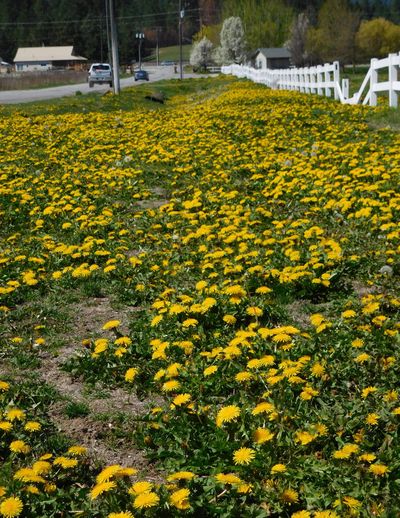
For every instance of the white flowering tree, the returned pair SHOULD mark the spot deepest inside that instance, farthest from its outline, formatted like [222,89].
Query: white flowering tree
[233,42]
[201,54]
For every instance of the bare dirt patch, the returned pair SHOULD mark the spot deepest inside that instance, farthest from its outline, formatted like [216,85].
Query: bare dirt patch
[88,319]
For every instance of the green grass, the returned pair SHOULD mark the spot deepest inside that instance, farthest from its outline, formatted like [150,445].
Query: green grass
[129,98]
[356,76]
[171,54]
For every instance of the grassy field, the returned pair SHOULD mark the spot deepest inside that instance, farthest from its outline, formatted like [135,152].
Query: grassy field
[200,309]
[171,54]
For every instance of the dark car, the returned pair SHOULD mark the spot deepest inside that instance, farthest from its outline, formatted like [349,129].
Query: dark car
[141,75]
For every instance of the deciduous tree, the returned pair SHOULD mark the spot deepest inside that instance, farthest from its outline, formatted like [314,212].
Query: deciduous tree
[334,37]
[298,39]
[233,42]
[201,54]
[377,38]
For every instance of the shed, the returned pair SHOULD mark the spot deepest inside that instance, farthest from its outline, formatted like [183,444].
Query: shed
[272,58]
[30,59]
[5,67]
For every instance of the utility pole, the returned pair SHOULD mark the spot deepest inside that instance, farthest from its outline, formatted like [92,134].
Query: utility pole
[140,37]
[158,29]
[114,48]
[181,15]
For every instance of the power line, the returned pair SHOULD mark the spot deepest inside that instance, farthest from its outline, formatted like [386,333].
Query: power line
[95,20]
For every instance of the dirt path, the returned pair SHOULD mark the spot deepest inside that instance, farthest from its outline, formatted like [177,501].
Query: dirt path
[88,431]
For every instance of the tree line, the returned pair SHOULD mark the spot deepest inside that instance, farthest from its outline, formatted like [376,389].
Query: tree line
[267,23]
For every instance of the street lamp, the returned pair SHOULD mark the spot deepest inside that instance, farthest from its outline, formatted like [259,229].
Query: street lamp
[181,16]
[140,37]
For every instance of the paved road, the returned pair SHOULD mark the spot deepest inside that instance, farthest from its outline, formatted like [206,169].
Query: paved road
[26,96]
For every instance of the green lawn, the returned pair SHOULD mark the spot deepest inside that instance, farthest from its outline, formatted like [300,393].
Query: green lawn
[171,53]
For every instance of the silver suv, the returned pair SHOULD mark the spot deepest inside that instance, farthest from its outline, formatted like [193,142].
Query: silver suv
[100,73]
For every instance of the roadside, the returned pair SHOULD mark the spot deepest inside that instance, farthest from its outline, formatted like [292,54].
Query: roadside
[26,96]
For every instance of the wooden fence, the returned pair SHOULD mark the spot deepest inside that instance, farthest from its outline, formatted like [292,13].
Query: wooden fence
[325,80]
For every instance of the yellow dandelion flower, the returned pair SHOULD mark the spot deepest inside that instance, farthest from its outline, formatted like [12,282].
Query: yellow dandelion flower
[350,502]
[301,514]
[179,499]
[367,457]
[111,324]
[131,374]
[190,322]
[228,478]
[122,514]
[65,463]
[349,313]
[263,408]
[108,473]
[4,386]
[243,456]
[11,507]
[378,469]
[170,386]
[372,419]
[140,487]
[278,468]
[244,376]
[181,399]
[346,451]
[210,370]
[77,451]
[304,437]
[28,475]
[227,414]
[325,514]
[254,311]
[32,426]
[5,426]
[19,447]
[290,496]
[229,319]
[145,500]
[362,358]
[367,391]
[41,467]
[181,475]
[101,488]
[262,435]
[15,414]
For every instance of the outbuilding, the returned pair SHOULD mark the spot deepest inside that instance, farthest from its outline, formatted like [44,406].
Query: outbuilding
[272,58]
[33,59]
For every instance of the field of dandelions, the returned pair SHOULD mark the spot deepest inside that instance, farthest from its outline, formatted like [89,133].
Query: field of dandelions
[256,234]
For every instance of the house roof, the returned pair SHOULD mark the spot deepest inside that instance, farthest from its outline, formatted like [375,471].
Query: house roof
[46,54]
[274,52]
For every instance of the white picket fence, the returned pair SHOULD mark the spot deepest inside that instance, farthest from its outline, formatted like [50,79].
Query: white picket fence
[325,80]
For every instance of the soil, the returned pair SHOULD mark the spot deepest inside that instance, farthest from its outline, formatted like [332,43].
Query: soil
[88,431]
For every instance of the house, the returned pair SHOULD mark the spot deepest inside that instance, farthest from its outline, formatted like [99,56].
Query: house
[271,58]
[5,68]
[31,59]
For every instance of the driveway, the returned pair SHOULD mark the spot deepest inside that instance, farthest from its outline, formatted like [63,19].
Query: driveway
[26,96]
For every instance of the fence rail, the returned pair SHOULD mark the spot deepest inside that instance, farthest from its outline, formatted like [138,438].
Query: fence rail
[325,80]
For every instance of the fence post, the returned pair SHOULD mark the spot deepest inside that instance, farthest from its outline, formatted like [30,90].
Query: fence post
[320,80]
[345,88]
[393,96]
[336,77]
[327,80]
[373,98]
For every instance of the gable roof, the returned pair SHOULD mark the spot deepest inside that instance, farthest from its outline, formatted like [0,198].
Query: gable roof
[274,52]
[46,54]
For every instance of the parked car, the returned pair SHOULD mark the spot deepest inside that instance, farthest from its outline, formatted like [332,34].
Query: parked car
[141,75]
[100,73]
[167,63]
